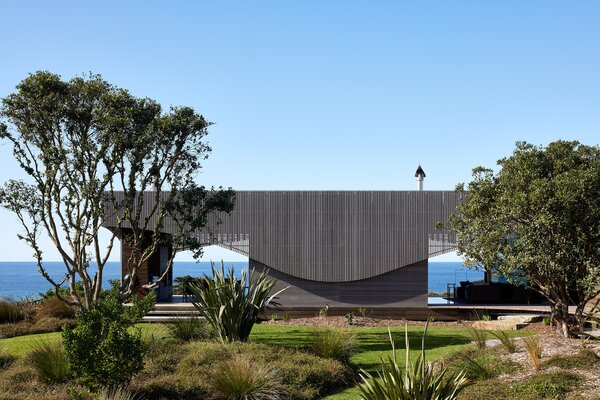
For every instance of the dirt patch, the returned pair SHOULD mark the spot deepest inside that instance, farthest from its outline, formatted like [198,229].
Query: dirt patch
[362,322]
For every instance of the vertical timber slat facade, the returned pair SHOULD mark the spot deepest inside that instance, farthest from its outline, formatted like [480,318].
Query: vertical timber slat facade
[342,248]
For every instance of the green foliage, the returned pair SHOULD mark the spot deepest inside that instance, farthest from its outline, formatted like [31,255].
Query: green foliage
[230,307]
[339,344]
[363,312]
[585,359]
[79,142]
[101,350]
[506,339]
[349,318]
[478,336]
[238,378]
[286,317]
[546,321]
[183,284]
[417,381]
[534,350]
[537,220]
[188,328]
[49,362]
[552,385]
[43,325]
[324,311]
[477,368]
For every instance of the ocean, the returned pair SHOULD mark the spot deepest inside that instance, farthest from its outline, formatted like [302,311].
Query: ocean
[22,279]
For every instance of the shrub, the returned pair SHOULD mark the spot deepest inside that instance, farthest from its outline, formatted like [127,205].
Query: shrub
[338,344]
[238,378]
[534,350]
[418,381]
[101,350]
[324,311]
[49,361]
[229,306]
[286,317]
[51,324]
[506,339]
[478,336]
[349,318]
[55,308]
[189,328]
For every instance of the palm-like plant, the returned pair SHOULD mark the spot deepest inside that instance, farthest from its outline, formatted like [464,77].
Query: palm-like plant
[417,381]
[231,307]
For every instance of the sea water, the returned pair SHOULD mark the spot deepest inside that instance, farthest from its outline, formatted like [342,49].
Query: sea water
[22,279]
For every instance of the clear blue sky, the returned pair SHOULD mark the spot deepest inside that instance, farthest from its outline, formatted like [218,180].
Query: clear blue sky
[328,94]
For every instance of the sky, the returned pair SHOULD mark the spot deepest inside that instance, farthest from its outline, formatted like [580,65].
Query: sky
[327,94]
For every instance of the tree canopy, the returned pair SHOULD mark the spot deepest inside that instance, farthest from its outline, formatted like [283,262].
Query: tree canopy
[83,141]
[538,219]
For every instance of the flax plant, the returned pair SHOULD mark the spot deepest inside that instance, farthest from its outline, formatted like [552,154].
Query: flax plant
[229,306]
[416,381]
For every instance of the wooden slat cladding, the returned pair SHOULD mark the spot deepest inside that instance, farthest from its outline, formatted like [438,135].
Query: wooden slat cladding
[405,288]
[333,236]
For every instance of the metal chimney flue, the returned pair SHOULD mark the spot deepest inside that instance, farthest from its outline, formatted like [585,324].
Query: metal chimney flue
[420,175]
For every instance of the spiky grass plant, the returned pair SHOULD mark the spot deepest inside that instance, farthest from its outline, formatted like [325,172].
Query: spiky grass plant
[506,339]
[478,336]
[231,307]
[189,327]
[117,393]
[240,379]
[416,381]
[476,368]
[534,349]
[49,361]
[339,344]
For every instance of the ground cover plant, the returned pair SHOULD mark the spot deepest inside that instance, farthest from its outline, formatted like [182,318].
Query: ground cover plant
[173,371]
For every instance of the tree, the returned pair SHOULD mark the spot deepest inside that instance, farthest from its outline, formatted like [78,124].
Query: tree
[538,219]
[89,147]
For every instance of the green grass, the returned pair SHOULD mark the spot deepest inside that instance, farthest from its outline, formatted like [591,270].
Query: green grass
[372,343]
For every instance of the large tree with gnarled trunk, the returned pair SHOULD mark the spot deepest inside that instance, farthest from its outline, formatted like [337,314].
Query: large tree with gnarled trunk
[90,149]
[538,219]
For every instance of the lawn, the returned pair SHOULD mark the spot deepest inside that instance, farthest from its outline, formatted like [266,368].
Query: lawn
[373,343]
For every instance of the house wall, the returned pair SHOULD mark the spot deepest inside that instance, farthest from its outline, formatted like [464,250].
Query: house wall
[405,287]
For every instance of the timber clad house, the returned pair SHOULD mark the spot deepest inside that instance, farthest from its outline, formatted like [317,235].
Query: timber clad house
[347,249]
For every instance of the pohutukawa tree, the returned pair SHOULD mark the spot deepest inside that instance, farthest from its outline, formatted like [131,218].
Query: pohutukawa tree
[89,147]
[538,220]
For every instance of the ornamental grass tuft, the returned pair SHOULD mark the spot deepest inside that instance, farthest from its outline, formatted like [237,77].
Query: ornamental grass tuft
[49,361]
[240,379]
[336,343]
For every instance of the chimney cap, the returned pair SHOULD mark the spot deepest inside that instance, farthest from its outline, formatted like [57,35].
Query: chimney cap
[420,172]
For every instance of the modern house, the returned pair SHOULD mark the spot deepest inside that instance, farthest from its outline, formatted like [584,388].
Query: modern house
[347,249]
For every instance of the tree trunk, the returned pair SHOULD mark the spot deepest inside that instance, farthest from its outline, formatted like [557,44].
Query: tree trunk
[561,320]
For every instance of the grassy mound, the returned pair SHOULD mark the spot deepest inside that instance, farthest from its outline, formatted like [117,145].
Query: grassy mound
[189,370]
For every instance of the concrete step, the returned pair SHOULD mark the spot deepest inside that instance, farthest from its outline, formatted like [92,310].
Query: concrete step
[165,318]
[498,325]
[521,318]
